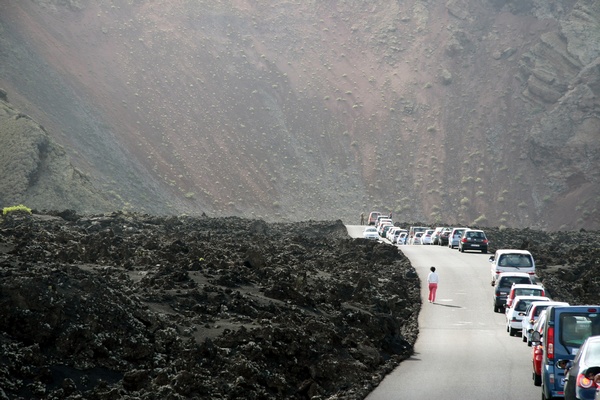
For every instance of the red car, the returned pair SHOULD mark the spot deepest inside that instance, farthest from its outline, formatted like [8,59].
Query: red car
[521,289]
[537,350]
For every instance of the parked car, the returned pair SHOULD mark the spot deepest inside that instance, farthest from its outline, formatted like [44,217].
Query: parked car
[564,331]
[514,314]
[443,237]
[402,238]
[385,229]
[370,233]
[383,220]
[413,230]
[397,233]
[580,373]
[373,217]
[504,283]
[436,234]
[537,351]
[454,237]
[524,290]
[532,314]
[511,260]
[426,238]
[390,232]
[381,226]
[417,238]
[473,239]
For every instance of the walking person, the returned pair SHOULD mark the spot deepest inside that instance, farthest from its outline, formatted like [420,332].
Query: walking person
[362,218]
[432,281]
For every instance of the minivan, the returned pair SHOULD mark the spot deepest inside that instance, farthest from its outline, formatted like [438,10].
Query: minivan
[511,260]
[565,330]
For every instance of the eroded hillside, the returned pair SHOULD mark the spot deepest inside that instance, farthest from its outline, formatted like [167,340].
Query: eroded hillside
[459,111]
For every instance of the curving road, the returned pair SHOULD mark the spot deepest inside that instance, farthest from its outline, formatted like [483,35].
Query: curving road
[463,350]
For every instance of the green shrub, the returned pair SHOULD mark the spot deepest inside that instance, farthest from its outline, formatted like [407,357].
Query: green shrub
[20,207]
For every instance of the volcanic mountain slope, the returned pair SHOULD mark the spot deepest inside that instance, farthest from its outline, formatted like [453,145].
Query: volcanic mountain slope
[458,111]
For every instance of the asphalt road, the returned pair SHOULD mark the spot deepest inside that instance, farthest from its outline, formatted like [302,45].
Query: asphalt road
[463,350]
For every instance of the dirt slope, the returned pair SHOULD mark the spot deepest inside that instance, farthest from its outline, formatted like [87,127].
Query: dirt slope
[457,111]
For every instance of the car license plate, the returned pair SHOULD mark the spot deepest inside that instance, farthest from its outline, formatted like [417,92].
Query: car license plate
[475,245]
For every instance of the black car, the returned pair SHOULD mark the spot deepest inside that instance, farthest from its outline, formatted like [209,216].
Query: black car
[473,239]
[503,285]
[442,239]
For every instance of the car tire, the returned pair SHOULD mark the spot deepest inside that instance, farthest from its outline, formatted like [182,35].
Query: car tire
[524,339]
[537,379]
[484,251]
[461,249]
[512,332]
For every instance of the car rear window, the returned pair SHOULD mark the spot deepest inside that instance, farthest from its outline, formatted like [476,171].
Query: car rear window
[508,281]
[515,260]
[538,310]
[576,327]
[528,292]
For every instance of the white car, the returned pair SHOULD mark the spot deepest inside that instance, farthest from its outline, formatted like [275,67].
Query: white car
[390,233]
[417,238]
[370,233]
[427,237]
[516,312]
[454,237]
[511,260]
[532,314]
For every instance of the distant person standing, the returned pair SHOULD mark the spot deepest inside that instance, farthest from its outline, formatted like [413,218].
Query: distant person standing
[362,218]
[432,281]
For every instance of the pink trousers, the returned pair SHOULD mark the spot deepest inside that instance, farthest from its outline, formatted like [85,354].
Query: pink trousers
[432,290]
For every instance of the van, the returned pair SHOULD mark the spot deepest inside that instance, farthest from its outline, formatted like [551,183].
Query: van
[563,333]
[511,260]
[373,217]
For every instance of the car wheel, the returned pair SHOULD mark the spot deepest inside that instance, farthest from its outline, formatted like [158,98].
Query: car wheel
[529,344]
[461,249]
[507,328]
[495,308]
[524,339]
[484,251]
[537,380]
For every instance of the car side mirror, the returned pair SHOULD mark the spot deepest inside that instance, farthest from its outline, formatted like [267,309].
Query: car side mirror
[491,259]
[536,336]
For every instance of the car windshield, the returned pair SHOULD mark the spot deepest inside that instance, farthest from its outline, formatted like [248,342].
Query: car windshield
[515,260]
[578,327]
[477,235]
[370,230]
[523,304]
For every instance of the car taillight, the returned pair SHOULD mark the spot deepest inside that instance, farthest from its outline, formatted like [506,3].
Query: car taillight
[464,240]
[550,343]
[585,382]
[485,241]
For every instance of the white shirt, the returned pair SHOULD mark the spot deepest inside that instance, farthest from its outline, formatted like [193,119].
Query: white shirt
[432,278]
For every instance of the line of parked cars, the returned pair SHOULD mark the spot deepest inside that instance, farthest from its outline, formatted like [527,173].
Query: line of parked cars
[564,338]
[462,238]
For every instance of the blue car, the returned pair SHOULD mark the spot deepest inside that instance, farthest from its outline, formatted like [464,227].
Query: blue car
[564,332]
